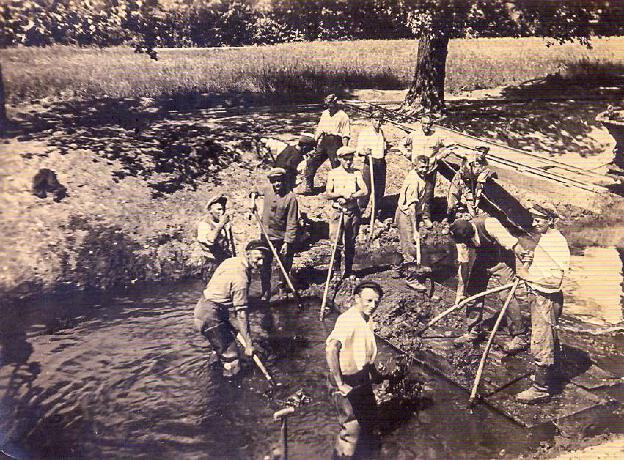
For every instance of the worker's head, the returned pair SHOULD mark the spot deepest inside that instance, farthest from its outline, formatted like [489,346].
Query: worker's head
[216,206]
[346,155]
[306,143]
[426,122]
[257,251]
[462,231]
[421,164]
[543,218]
[377,119]
[331,102]
[366,297]
[277,178]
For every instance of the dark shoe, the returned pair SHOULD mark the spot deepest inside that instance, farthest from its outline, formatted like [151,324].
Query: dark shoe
[533,395]
[515,345]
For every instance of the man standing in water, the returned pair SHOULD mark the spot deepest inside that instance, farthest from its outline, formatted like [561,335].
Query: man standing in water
[227,292]
[332,132]
[551,260]
[350,352]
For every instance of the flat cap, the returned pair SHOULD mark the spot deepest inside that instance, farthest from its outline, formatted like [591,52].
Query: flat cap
[307,139]
[543,211]
[276,172]
[331,98]
[257,245]
[461,230]
[345,150]
[218,198]
[367,284]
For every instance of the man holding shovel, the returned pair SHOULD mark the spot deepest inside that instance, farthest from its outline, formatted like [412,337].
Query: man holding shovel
[409,214]
[345,186]
[280,220]
[486,254]
[226,295]
[550,262]
[350,351]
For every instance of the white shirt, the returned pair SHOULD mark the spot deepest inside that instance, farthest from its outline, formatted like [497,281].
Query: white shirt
[421,144]
[551,260]
[337,124]
[357,339]
[368,138]
[413,191]
[344,183]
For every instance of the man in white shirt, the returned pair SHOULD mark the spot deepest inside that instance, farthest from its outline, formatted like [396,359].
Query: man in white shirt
[431,144]
[544,277]
[332,132]
[486,256]
[345,186]
[371,144]
[350,352]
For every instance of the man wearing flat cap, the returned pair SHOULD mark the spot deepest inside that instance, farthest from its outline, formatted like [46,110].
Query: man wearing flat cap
[350,351]
[371,144]
[466,189]
[544,277]
[345,187]
[292,158]
[215,241]
[280,219]
[486,256]
[332,132]
[226,296]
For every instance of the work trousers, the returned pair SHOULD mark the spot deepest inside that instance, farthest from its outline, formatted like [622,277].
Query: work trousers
[379,175]
[326,149]
[357,413]
[347,238]
[287,261]
[212,320]
[405,226]
[545,312]
[489,278]
[430,182]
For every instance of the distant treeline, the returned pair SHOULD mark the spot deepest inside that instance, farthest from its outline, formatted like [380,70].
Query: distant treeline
[210,23]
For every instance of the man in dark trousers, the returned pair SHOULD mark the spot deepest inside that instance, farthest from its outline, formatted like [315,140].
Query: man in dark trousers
[350,351]
[280,219]
[291,158]
[227,293]
[371,144]
[486,254]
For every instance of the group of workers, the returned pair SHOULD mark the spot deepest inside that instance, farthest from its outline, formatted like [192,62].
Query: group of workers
[488,255]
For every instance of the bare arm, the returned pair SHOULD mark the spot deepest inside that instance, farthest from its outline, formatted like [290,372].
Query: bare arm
[332,355]
[361,185]
[243,327]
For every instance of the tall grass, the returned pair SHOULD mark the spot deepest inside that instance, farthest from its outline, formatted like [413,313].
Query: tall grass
[292,71]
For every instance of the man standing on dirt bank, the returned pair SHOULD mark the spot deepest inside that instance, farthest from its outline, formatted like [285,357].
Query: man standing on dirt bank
[551,260]
[345,186]
[371,144]
[350,352]
[486,256]
[280,219]
[409,213]
[332,132]
[293,156]
[467,185]
[214,236]
[431,144]
[226,293]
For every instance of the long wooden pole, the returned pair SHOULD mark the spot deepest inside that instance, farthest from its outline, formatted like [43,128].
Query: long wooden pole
[455,307]
[279,261]
[258,362]
[475,386]
[331,266]
[371,229]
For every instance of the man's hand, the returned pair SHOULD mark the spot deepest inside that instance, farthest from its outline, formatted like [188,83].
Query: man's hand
[459,297]
[345,389]
[341,201]
[249,350]
[524,255]
[284,250]
[225,218]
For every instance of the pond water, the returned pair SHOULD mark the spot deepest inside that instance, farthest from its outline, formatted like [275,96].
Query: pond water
[124,375]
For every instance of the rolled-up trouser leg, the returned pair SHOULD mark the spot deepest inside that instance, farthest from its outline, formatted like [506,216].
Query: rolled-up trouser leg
[211,319]
[545,312]
[405,226]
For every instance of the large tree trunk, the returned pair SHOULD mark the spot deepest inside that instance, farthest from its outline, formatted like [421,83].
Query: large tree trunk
[427,88]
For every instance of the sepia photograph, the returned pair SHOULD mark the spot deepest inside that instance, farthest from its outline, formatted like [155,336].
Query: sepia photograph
[312,229]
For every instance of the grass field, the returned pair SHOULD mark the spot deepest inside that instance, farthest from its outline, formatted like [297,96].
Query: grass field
[288,72]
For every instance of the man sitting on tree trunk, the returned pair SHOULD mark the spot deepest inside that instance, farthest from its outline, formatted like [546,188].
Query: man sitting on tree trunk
[429,143]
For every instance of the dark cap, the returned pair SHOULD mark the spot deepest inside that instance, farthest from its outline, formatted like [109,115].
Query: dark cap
[368,285]
[307,139]
[331,98]
[219,198]
[275,173]
[461,230]
[258,245]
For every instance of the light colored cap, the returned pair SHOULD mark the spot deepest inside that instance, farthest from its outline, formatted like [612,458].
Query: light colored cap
[543,211]
[218,198]
[345,150]
[276,172]
[331,98]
